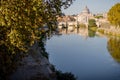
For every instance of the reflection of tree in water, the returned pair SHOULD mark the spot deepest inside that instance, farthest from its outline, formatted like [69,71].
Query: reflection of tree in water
[91,33]
[114,48]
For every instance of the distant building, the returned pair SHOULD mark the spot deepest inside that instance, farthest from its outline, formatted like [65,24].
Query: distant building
[105,15]
[84,16]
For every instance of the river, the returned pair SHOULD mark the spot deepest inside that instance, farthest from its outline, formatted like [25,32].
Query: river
[88,55]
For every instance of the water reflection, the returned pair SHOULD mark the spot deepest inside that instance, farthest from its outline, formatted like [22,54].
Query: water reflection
[114,48]
[88,58]
[92,33]
[113,43]
[82,31]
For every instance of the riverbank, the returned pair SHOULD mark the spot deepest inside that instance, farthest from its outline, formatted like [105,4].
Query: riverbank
[35,66]
[112,31]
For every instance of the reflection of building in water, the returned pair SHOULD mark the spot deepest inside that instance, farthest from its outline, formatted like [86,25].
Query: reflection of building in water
[80,31]
[83,32]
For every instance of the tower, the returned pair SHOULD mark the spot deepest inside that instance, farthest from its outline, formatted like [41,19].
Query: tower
[86,10]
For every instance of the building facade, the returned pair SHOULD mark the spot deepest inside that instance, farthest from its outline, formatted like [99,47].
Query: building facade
[84,16]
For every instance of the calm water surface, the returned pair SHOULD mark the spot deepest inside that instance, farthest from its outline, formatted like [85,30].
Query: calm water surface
[88,58]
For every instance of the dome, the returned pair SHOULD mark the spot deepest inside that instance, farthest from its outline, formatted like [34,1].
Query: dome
[86,10]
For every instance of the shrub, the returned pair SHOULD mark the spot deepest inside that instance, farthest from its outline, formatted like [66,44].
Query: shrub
[92,23]
[65,76]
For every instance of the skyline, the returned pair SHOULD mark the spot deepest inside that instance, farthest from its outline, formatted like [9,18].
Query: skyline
[95,6]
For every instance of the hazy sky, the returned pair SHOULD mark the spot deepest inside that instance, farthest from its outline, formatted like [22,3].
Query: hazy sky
[95,6]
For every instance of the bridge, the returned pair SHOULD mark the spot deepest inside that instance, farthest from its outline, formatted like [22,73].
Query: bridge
[71,24]
[66,24]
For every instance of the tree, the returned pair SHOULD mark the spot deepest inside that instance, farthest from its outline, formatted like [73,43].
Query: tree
[21,22]
[98,16]
[114,15]
[92,23]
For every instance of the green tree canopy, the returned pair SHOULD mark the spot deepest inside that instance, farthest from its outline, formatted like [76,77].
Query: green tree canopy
[114,15]
[92,23]
[21,23]
[21,20]
[99,16]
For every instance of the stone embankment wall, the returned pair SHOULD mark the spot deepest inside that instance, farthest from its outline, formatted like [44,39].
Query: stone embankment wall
[115,31]
[34,66]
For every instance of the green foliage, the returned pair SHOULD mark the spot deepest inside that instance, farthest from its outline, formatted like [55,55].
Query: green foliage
[43,50]
[101,31]
[99,16]
[20,20]
[114,15]
[65,76]
[92,23]
[20,25]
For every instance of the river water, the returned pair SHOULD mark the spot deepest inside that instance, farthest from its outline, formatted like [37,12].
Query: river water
[87,54]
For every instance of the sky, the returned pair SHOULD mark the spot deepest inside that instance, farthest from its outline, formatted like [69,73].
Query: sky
[95,6]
